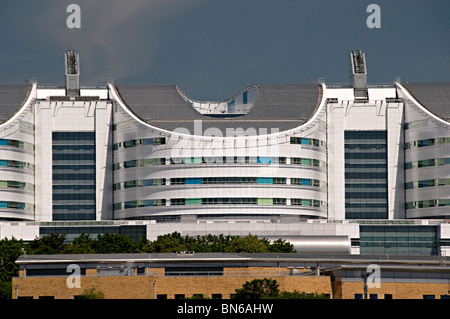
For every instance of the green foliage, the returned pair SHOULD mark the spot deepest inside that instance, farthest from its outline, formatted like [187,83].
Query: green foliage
[281,246]
[92,293]
[268,289]
[258,289]
[81,245]
[300,295]
[114,244]
[198,296]
[173,242]
[10,250]
[49,244]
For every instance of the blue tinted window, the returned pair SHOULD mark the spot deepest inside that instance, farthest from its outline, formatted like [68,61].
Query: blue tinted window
[193,181]
[264,160]
[265,180]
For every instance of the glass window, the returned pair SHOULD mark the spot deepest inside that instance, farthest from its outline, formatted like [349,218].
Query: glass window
[265,180]
[265,201]
[193,201]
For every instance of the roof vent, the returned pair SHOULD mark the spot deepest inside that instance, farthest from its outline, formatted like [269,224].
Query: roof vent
[72,73]
[359,74]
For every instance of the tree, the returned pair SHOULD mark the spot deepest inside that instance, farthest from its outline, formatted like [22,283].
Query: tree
[10,250]
[49,244]
[168,243]
[301,295]
[247,244]
[92,293]
[258,289]
[198,296]
[281,246]
[110,243]
[83,244]
[268,289]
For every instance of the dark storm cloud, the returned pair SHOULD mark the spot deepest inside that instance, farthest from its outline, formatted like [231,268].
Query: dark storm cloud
[212,49]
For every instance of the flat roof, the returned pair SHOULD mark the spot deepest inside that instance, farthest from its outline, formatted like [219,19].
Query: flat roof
[422,261]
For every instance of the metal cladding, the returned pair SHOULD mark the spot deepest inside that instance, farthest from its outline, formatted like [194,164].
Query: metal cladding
[277,106]
[434,96]
[320,244]
[12,97]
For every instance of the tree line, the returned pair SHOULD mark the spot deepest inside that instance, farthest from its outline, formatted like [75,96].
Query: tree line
[111,243]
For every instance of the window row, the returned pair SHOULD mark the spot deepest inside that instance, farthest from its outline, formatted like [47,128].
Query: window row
[219,181]
[16,164]
[73,136]
[416,124]
[17,205]
[138,142]
[219,201]
[227,160]
[307,141]
[428,163]
[140,163]
[140,183]
[74,196]
[140,203]
[427,142]
[74,147]
[16,143]
[428,183]
[121,126]
[15,184]
[74,157]
[428,203]
[73,177]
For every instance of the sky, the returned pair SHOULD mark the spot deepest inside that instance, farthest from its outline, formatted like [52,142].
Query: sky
[212,49]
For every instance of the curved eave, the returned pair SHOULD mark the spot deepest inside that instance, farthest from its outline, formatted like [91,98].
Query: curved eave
[432,98]
[13,99]
[278,108]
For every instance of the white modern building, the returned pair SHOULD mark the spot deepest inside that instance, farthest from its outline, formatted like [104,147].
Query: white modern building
[312,163]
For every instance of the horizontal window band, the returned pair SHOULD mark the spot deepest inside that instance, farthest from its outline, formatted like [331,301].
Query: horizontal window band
[140,183]
[72,196]
[60,135]
[427,163]
[16,185]
[220,181]
[416,124]
[427,142]
[16,144]
[427,203]
[219,201]
[428,183]
[16,164]
[17,205]
[219,160]
[68,177]
[307,141]
[140,142]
